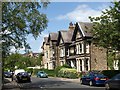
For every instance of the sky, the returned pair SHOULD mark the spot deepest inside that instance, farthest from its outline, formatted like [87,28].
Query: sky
[60,14]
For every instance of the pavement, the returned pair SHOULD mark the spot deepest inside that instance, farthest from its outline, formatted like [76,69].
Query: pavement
[9,84]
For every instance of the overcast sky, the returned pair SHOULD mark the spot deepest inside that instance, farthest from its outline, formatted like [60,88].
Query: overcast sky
[60,14]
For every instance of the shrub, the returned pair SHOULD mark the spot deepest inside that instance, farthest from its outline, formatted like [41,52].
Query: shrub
[29,70]
[68,73]
[57,69]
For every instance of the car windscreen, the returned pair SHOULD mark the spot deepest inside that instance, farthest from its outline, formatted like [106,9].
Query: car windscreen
[22,73]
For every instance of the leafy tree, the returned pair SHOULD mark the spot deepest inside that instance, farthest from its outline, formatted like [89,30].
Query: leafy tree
[19,19]
[106,28]
[10,61]
[39,59]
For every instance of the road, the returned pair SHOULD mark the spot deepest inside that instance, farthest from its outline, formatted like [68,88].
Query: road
[52,82]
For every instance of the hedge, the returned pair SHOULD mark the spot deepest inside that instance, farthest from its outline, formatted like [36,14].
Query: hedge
[49,72]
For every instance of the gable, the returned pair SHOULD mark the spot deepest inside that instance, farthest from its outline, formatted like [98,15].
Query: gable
[61,41]
[78,34]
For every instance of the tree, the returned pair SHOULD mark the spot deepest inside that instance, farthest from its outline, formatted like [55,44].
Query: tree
[11,60]
[19,19]
[106,28]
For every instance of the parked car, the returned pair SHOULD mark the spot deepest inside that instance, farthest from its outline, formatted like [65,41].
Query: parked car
[18,71]
[93,79]
[113,83]
[7,74]
[23,77]
[42,74]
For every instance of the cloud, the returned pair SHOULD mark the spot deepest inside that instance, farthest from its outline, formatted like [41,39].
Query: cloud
[81,13]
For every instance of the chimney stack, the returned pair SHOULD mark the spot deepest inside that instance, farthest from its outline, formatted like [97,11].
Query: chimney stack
[71,26]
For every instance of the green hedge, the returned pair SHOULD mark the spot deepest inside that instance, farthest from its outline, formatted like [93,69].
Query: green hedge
[68,73]
[110,73]
[49,72]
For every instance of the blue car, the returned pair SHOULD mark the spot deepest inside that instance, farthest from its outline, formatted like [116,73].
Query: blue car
[93,79]
[42,74]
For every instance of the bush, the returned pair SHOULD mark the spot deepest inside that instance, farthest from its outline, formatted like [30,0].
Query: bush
[110,73]
[29,70]
[57,69]
[68,73]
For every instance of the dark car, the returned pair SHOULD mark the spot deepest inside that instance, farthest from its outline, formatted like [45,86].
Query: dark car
[23,77]
[93,79]
[42,74]
[7,74]
[113,83]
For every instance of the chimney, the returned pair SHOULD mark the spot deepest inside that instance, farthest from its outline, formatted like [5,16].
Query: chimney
[71,26]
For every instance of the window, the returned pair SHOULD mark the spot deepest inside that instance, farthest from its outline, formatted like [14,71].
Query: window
[86,64]
[80,65]
[77,49]
[80,48]
[61,52]
[51,53]
[67,52]
[47,54]
[87,47]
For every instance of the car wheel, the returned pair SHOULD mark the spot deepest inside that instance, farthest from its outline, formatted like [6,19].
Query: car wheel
[107,87]
[91,83]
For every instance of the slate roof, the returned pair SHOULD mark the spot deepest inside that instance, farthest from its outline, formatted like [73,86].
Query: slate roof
[53,36]
[67,35]
[46,40]
[86,28]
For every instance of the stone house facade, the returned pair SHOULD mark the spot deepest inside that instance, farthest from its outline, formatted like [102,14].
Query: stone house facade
[75,48]
[45,54]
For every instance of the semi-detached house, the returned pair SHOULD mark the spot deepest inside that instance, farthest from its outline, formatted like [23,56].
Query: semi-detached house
[75,47]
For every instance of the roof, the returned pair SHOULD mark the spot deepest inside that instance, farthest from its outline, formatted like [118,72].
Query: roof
[69,36]
[66,35]
[53,36]
[86,28]
[46,40]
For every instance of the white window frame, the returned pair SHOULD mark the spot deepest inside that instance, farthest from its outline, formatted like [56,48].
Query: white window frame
[87,48]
